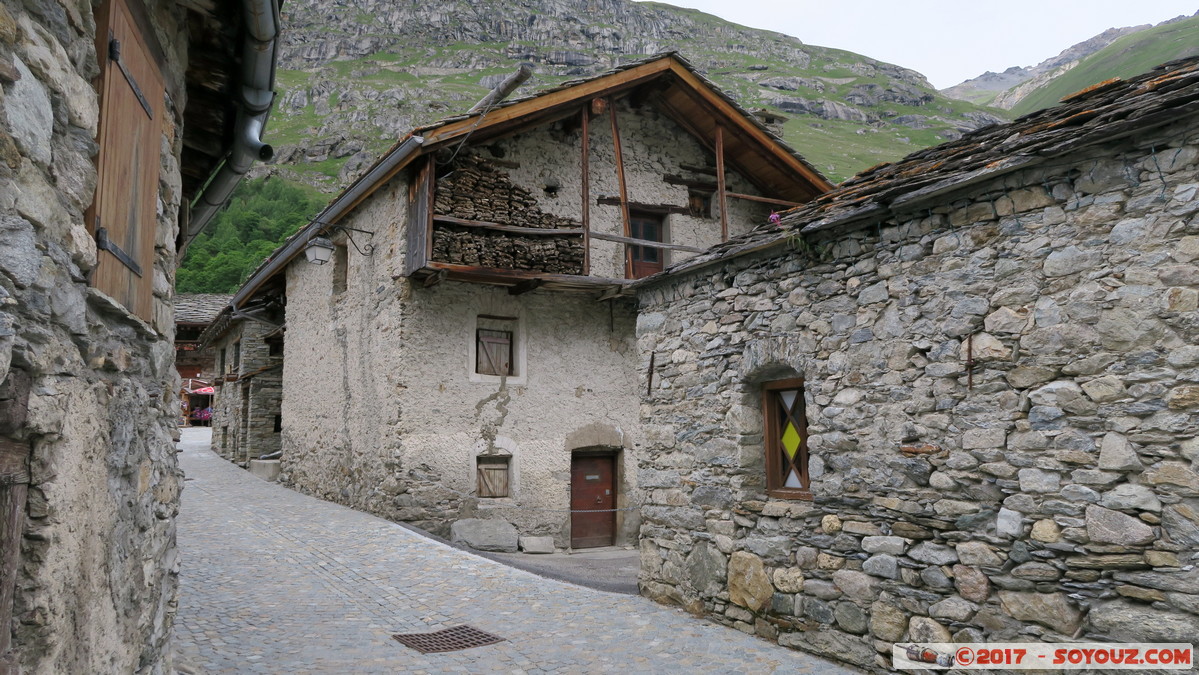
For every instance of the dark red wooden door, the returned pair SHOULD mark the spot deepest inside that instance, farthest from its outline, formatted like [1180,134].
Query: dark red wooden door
[592,486]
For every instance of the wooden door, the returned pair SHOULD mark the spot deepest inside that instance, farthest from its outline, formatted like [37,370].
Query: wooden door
[592,486]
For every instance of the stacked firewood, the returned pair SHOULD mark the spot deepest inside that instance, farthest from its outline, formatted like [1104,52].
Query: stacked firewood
[477,191]
[480,248]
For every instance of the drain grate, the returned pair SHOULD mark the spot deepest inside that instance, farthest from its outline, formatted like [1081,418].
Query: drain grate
[447,640]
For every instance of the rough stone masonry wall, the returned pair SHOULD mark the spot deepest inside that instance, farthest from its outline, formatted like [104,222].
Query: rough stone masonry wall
[1057,498]
[96,583]
[237,436]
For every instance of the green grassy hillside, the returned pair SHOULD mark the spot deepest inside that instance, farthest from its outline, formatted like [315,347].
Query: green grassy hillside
[351,82]
[1130,55]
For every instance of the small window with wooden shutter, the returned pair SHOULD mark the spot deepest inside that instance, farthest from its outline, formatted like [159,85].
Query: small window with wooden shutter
[495,346]
[493,476]
[123,217]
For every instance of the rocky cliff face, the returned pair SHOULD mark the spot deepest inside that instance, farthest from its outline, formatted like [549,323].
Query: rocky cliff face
[357,74]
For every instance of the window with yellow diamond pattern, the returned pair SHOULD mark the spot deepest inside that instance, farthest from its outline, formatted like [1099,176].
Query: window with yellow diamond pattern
[785,432]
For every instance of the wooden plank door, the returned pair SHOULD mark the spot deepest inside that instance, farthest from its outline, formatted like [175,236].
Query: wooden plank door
[592,486]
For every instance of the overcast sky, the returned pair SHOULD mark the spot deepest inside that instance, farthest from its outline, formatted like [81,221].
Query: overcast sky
[947,40]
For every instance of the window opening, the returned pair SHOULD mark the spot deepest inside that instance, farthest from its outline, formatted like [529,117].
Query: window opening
[493,476]
[699,203]
[646,260]
[786,439]
[341,263]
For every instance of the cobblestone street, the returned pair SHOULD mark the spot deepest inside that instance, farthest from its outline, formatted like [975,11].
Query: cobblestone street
[276,582]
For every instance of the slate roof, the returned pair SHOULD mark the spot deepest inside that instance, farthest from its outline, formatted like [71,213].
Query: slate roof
[1107,111]
[199,308]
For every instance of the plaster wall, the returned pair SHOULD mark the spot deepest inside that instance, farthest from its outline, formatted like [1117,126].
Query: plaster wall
[382,409]
[1002,394]
[341,395]
[86,388]
[573,390]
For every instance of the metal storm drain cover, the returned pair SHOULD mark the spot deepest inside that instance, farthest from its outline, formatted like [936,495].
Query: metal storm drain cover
[447,640]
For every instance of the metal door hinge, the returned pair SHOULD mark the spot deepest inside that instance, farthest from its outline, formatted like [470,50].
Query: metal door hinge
[105,244]
[114,55]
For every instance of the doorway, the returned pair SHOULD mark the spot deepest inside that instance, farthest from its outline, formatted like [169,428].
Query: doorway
[592,487]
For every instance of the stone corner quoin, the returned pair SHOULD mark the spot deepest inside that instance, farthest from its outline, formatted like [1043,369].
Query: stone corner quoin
[1002,399]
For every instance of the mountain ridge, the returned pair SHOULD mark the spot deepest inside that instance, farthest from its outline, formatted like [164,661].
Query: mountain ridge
[1007,89]
[355,76]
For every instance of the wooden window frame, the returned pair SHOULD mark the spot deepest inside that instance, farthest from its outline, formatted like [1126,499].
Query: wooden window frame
[482,485]
[637,253]
[773,420]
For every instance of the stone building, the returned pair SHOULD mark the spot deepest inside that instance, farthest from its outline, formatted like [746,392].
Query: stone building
[194,312]
[463,355]
[110,127]
[196,367]
[248,356]
[956,399]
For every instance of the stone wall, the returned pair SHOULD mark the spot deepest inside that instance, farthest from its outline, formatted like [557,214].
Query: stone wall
[246,404]
[1049,494]
[88,389]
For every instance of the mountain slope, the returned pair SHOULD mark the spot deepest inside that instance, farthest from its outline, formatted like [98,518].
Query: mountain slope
[1130,55]
[1116,52]
[986,88]
[356,75]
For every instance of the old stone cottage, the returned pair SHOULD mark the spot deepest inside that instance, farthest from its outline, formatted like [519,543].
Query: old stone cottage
[464,355]
[123,125]
[248,362]
[957,398]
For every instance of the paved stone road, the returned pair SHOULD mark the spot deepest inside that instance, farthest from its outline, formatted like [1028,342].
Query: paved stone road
[276,582]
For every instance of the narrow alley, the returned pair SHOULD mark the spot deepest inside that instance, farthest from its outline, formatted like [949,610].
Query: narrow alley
[273,581]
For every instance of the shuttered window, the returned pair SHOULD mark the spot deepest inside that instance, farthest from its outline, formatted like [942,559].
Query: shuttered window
[785,435]
[493,350]
[493,476]
[123,217]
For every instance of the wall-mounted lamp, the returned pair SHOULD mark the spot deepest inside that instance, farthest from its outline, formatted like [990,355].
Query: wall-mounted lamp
[320,248]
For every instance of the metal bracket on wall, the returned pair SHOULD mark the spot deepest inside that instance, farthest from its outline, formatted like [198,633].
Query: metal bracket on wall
[105,244]
[114,55]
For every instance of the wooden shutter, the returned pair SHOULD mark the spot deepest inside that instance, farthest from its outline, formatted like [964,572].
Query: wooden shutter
[123,217]
[493,352]
[493,476]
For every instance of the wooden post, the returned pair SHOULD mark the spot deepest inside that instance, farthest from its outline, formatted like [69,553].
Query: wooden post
[420,214]
[586,180]
[14,486]
[624,192]
[722,198]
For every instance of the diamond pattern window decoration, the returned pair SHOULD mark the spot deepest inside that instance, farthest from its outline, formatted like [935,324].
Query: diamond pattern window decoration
[786,439]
